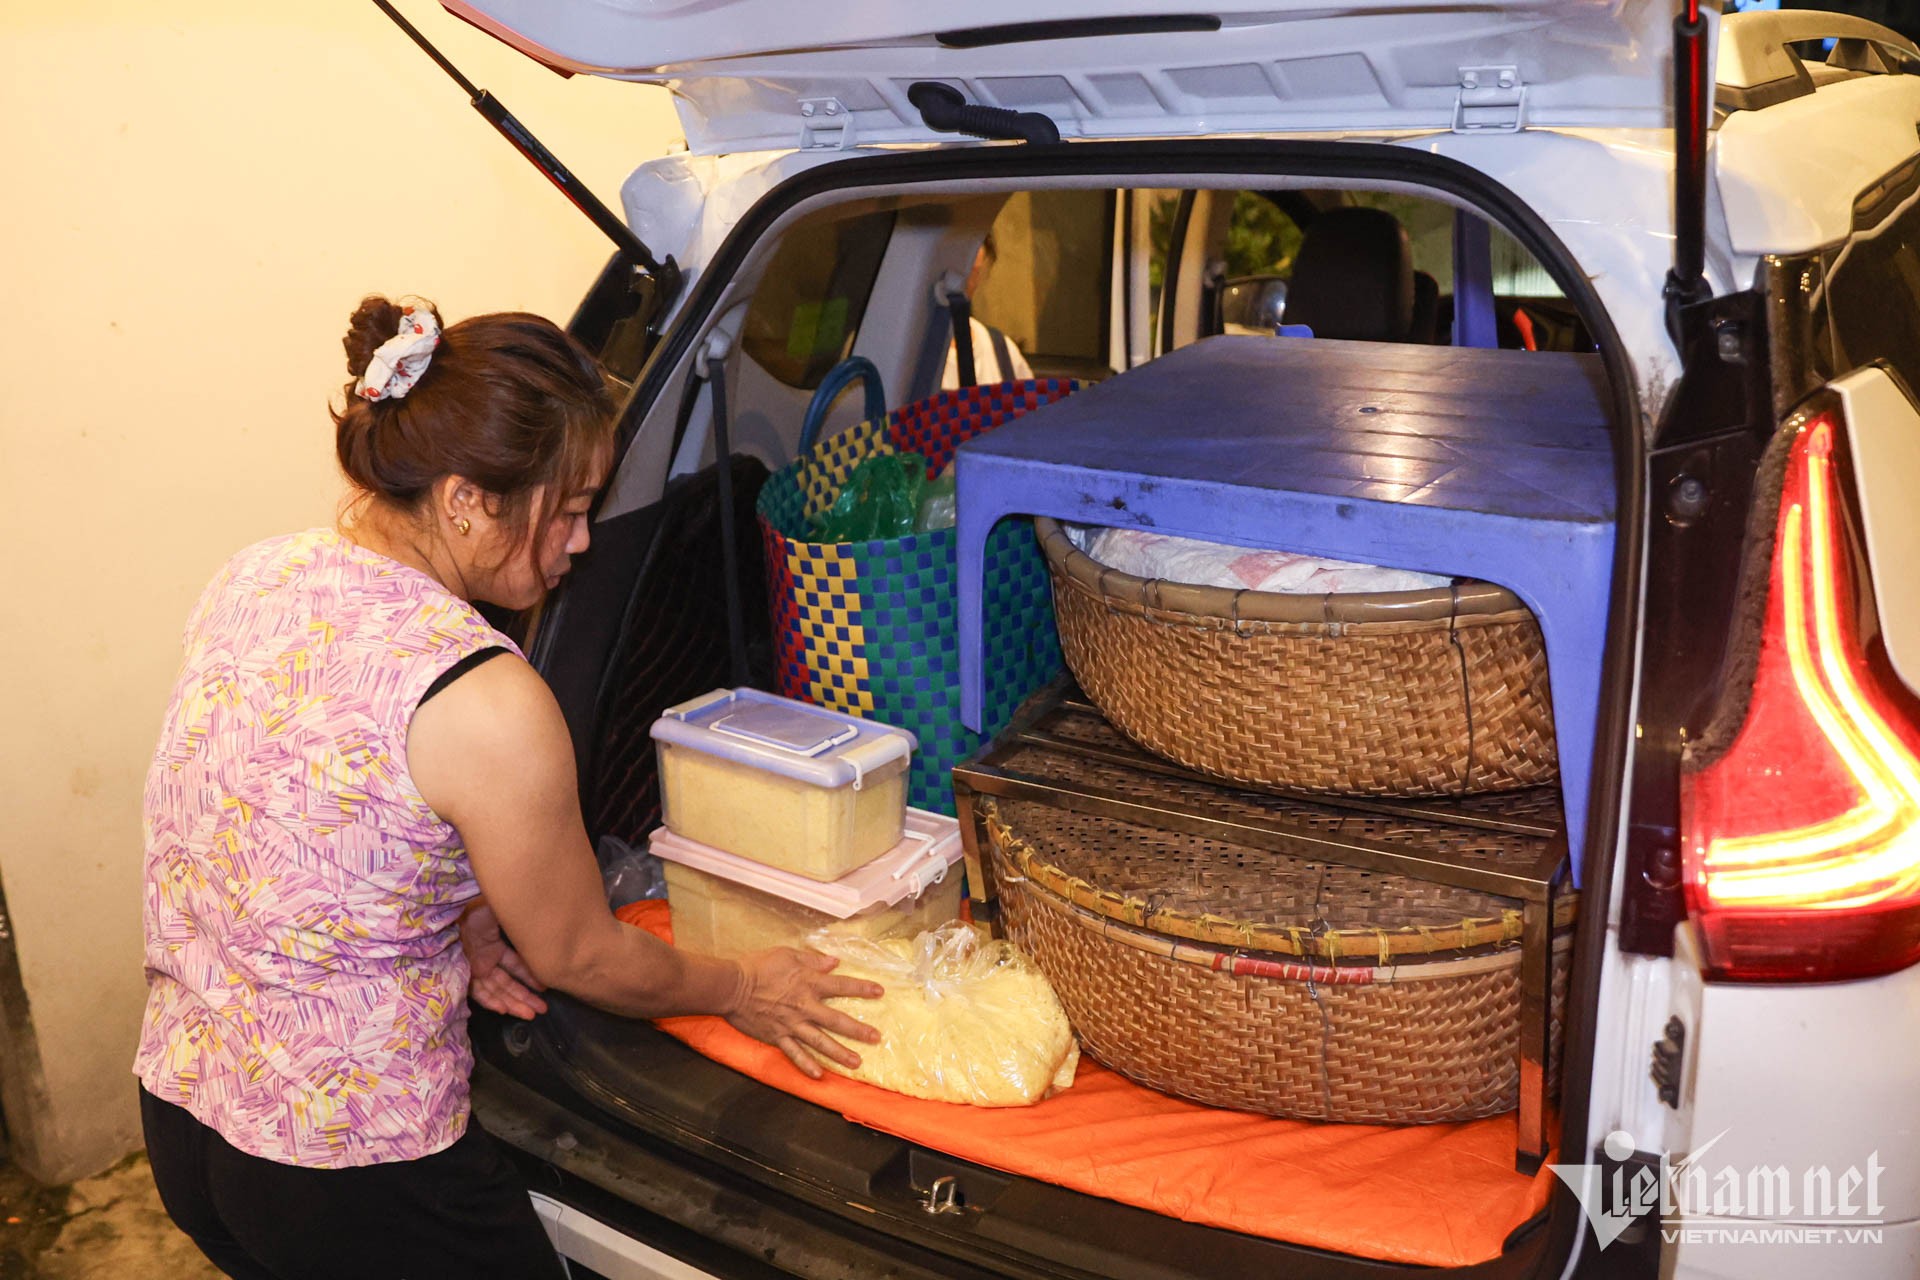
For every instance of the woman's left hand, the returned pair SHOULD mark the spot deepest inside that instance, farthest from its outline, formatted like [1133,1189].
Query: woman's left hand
[501,980]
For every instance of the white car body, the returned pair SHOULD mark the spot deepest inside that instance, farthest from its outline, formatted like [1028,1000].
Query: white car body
[1783,1075]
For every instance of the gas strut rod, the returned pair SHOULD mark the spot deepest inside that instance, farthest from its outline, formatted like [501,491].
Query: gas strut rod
[1692,99]
[666,273]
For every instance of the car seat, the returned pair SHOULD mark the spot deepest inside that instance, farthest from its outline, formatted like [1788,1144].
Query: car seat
[1353,278]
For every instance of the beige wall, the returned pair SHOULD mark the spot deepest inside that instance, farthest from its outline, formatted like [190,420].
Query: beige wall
[195,197]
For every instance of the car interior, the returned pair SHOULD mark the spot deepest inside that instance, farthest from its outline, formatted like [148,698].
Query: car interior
[1090,282]
[1087,283]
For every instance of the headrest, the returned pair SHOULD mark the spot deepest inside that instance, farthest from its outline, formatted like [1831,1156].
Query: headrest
[1353,277]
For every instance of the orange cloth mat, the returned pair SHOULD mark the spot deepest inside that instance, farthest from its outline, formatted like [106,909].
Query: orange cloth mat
[1442,1195]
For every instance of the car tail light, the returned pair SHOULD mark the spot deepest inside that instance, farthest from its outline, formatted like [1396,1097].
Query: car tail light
[1801,843]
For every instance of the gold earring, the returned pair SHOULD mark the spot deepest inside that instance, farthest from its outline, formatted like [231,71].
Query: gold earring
[464,525]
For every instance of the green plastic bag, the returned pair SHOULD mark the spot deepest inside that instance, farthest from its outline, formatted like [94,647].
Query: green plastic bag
[880,500]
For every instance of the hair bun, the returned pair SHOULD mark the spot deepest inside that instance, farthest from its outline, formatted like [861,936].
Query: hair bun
[374,321]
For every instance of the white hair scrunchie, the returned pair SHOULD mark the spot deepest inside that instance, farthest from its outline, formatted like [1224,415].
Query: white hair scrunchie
[399,361]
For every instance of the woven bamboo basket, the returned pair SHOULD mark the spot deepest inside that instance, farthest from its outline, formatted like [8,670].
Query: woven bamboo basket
[1246,979]
[1406,693]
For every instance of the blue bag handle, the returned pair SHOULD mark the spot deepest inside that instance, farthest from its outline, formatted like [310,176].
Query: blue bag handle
[830,388]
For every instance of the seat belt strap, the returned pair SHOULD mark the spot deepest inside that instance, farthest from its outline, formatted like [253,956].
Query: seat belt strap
[962,312]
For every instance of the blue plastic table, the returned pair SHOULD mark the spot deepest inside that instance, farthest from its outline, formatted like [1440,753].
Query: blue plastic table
[1468,462]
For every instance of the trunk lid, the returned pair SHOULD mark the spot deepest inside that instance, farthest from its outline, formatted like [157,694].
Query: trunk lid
[769,74]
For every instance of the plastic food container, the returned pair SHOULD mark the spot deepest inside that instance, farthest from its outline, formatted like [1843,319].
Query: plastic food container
[727,905]
[797,787]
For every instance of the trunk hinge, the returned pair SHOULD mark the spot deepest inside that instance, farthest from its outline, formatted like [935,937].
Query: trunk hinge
[1490,100]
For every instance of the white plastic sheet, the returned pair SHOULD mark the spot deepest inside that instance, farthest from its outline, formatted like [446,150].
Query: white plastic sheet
[1210,564]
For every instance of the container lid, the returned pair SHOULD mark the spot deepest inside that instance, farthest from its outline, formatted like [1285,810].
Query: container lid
[780,735]
[921,859]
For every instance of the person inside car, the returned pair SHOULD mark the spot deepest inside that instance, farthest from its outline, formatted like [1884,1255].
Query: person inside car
[995,357]
[351,757]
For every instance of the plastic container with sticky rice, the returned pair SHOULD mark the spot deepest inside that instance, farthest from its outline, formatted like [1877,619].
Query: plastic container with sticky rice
[727,905]
[794,786]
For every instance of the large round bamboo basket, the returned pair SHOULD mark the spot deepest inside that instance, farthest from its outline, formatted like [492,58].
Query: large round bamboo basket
[1262,982]
[1409,693]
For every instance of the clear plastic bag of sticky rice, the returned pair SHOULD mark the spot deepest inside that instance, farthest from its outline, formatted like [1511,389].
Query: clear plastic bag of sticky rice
[965,1018]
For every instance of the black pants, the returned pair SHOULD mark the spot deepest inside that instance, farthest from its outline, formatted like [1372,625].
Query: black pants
[459,1212]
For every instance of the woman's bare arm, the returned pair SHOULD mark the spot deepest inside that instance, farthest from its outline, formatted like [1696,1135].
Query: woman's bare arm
[492,755]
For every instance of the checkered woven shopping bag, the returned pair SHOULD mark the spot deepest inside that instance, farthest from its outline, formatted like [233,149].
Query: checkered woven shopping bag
[872,628]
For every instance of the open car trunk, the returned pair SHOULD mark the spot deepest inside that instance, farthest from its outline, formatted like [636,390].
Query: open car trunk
[750,1156]
[774,1179]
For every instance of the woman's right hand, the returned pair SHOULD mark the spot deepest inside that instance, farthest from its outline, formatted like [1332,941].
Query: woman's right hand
[781,999]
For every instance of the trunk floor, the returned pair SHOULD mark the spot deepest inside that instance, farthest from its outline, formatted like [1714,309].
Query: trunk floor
[1437,1195]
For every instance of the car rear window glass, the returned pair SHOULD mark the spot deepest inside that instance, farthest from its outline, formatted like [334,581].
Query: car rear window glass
[807,310]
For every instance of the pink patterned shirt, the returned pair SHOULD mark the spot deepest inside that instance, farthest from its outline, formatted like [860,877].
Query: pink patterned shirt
[306,988]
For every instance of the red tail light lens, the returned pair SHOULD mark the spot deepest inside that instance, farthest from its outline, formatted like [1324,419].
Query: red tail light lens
[1802,842]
